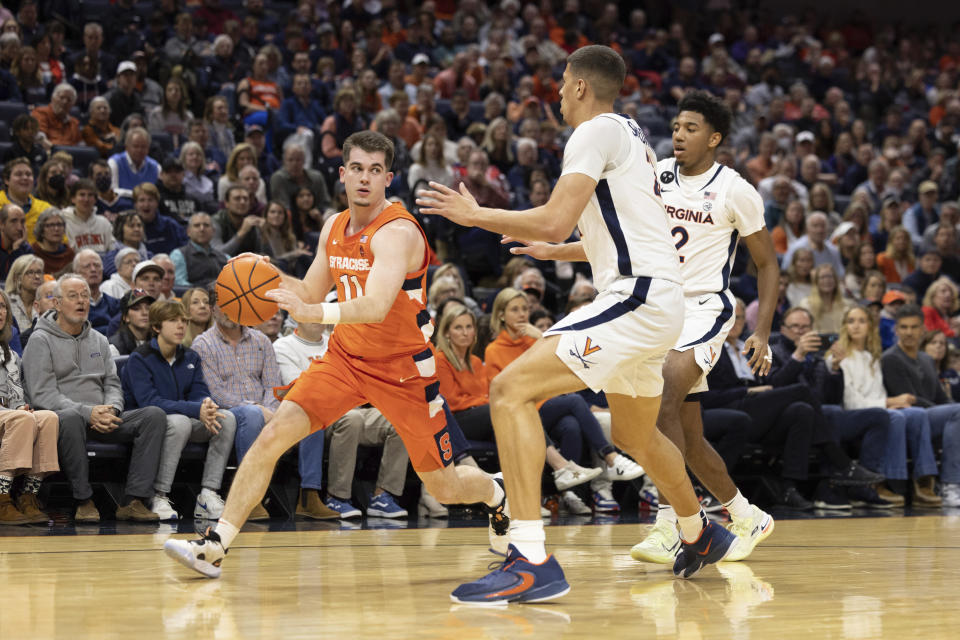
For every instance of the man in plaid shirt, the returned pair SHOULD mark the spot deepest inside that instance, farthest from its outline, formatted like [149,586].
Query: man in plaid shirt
[241,369]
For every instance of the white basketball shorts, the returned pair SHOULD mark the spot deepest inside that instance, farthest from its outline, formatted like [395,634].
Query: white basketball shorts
[707,320]
[618,342]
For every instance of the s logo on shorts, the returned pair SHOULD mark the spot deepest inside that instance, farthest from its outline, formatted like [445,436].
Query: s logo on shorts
[444,446]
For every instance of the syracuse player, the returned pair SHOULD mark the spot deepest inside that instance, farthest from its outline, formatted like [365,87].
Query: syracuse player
[376,255]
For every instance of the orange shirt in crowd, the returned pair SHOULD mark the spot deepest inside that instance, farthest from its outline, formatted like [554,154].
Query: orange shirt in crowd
[463,389]
[933,321]
[888,267]
[505,350]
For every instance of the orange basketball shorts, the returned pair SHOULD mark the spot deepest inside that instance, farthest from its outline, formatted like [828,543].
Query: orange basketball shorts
[405,390]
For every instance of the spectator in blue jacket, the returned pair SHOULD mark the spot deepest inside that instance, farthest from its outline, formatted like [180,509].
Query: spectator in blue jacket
[163,373]
[161,234]
[301,113]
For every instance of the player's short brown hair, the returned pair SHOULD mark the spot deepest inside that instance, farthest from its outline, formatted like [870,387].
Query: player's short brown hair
[371,142]
[602,68]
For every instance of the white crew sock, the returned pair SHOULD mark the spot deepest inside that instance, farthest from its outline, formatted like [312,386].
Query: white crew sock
[226,531]
[691,526]
[497,494]
[739,507]
[666,513]
[527,536]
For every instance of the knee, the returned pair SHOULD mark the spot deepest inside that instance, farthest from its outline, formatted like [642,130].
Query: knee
[155,417]
[505,393]
[178,425]
[228,424]
[248,418]
[72,425]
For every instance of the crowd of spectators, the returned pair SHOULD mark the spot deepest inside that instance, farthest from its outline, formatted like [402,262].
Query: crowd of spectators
[148,142]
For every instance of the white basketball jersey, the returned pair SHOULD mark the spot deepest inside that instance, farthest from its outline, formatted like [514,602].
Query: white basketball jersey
[624,227]
[708,213]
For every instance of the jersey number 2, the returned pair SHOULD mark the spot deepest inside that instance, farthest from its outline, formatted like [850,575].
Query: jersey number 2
[676,231]
[347,293]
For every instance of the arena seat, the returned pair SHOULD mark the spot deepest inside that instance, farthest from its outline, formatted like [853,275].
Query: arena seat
[10,110]
[82,156]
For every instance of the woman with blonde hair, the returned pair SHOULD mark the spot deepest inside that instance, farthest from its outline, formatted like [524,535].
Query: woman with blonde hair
[28,438]
[23,280]
[465,383]
[898,260]
[566,418]
[243,155]
[196,302]
[939,304]
[857,355]
[821,199]
[825,301]
[430,165]
[800,272]
[195,182]
[498,143]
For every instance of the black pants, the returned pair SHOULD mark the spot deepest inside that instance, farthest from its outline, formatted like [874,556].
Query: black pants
[726,430]
[145,428]
[789,416]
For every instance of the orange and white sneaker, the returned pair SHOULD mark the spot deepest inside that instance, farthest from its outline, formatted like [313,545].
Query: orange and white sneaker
[750,532]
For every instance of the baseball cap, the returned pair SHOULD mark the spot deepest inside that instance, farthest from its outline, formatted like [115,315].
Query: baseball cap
[893,296]
[842,229]
[147,265]
[126,65]
[326,27]
[715,39]
[927,186]
[134,297]
[253,128]
[805,136]
[421,58]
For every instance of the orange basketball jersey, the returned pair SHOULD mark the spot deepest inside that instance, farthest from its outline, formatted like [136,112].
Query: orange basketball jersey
[407,328]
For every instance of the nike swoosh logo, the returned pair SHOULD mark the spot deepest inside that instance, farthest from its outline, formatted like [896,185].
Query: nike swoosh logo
[703,301]
[707,550]
[619,472]
[526,581]
[201,505]
[670,549]
[402,380]
[662,190]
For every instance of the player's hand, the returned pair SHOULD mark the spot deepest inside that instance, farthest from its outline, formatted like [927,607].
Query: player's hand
[295,306]
[761,360]
[247,254]
[458,207]
[538,250]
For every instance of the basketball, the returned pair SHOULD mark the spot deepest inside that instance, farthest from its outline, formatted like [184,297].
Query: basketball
[241,286]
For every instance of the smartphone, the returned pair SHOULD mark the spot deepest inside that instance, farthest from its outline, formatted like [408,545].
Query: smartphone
[826,341]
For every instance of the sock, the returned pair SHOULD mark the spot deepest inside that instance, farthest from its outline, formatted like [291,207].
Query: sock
[226,531]
[739,507]
[666,514]
[527,536]
[498,495]
[6,483]
[691,526]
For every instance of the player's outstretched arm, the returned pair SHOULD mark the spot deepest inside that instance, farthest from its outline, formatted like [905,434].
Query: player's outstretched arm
[552,222]
[768,278]
[569,251]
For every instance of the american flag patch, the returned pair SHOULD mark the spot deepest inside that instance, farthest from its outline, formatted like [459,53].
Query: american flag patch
[363,238]
[709,195]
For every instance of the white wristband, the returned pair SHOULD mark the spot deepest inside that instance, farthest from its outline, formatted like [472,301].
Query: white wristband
[331,312]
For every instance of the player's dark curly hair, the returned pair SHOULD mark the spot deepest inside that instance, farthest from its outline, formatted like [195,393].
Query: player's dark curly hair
[714,110]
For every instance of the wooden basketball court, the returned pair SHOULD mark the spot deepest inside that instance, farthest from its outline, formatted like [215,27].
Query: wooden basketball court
[862,578]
